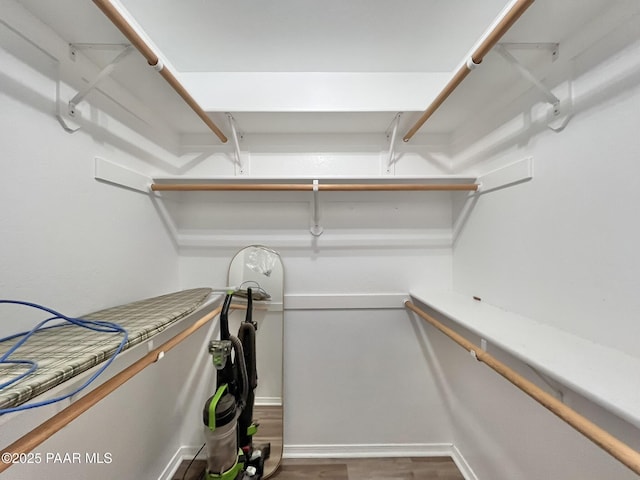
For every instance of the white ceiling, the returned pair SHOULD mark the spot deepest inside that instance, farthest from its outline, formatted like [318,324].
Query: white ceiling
[314,35]
[367,40]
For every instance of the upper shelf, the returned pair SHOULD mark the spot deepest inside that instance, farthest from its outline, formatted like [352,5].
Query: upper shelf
[408,179]
[433,183]
[340,49]
[599,373]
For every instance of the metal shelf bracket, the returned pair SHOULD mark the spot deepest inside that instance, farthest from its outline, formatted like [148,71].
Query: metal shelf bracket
[241,166]
[559,115]
[316,229]
[391,134]
[67,117]
[530,77]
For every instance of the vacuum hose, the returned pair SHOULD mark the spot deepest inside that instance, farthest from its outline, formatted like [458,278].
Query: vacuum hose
[242,366]
[247,336]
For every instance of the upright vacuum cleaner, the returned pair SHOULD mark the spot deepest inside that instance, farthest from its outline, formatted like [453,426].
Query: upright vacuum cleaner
[228,414]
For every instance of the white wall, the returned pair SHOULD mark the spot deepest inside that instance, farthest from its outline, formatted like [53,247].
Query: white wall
[504,434]
[563,243]
[73,236]
[142,425]
[344,369]
[66,236]
[373,243]
[353,377]
[358,381]
[561,249]
[77,245]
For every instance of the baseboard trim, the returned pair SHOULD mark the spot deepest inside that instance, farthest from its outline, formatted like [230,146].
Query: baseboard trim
[346,451]
[462,464]
[368,450]
[268,401]
[183,453]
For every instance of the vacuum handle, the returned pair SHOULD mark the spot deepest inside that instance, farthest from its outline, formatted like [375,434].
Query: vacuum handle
[249,316]
[224,318]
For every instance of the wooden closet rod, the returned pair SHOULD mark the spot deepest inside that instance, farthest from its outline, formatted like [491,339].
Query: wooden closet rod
[309,187]
[621,451]
[127,30]
[42,432]
[518,8]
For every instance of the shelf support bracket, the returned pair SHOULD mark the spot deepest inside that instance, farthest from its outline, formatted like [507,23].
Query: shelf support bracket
[391,134]
[557,392]
[560,114]
[530,77]
[72,111]
[242,168]
[553,48]
[316,230]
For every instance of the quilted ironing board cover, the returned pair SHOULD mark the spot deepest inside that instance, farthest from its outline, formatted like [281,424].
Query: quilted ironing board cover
[64,352]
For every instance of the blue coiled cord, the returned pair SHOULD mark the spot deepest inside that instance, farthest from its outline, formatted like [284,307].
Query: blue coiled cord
[95,325]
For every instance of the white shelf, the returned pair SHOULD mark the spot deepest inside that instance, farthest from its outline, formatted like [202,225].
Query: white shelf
[603,375]
[430,179]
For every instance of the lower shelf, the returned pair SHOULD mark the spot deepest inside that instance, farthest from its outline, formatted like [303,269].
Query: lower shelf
[603,375]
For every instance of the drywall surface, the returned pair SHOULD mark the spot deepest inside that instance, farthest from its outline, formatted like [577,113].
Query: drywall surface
[359,378]
[77,245]
[504,434]
[347,379]
[69,241]
[126,245]
[135,431]
[356,379]
[373,244]
[560,249]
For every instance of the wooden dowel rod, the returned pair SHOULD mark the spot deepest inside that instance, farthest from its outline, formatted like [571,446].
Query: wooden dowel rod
[308,187]
[619,450]
[177,86]
[127,30]
[500,29]
[439,100]
[45,430]
[489,42]
[204,187]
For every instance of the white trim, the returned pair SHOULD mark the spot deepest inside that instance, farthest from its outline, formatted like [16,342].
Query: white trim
[343,301]
[183,453]
[462,464]
[173,465]
[377,450]
[115,174]
[406,238]
[512,174]
[268,401]
[346,451]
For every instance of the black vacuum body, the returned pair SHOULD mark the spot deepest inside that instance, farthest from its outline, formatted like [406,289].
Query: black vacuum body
[228,414]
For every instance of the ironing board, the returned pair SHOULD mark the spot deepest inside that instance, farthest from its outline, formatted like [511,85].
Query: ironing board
[64,352]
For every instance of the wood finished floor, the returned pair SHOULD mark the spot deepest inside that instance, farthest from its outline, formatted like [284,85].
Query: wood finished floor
[270,430]
[405,468]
